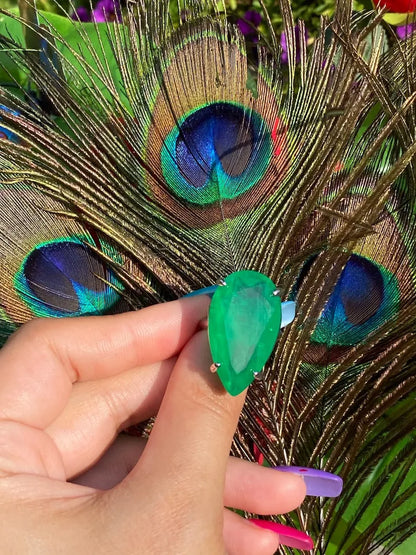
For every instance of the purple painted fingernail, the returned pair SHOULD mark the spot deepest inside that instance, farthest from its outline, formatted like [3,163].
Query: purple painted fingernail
[288,536]
[318,482]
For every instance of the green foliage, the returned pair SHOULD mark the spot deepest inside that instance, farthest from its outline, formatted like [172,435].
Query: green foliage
[310,12]
[44,5]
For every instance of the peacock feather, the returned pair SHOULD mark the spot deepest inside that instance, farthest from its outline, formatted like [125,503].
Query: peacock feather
[167,156]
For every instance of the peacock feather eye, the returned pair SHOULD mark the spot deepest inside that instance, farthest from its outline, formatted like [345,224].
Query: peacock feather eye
[212,150]
[365,295]
[53,267]
[377,277]
[216,151]
[64,277]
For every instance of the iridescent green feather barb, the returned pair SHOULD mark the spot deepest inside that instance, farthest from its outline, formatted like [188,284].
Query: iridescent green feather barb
[148,160]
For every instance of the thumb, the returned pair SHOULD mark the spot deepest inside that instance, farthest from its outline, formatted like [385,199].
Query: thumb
[190,442]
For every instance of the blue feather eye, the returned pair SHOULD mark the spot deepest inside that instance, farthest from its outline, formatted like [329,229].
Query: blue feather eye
[217,151]
[365,296]
[66,278]
[212,150]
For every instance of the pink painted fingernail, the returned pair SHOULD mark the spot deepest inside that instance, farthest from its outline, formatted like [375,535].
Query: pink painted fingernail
[288,536]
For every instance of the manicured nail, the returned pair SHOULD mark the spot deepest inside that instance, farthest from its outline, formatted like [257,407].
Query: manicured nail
[288,536]
[318,482]
[205,291]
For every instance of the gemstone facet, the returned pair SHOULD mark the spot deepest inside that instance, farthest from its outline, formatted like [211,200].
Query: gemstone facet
[243,324]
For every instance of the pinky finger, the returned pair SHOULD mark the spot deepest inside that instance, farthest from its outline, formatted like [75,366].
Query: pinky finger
[241,537]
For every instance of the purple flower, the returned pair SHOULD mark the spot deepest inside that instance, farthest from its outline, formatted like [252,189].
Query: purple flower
[405,31]
[283,43]
[184,15]
[81,14]
[107,10]
[248,25]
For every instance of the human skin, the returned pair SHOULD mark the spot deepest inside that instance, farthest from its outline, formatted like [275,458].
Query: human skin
[69,484]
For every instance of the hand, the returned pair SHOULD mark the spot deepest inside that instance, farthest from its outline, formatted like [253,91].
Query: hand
[68,387]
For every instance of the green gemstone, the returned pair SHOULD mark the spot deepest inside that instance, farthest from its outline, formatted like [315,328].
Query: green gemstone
[243,324]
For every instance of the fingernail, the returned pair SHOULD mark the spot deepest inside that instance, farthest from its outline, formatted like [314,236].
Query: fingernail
[205,291]
[318,483]
[288,536]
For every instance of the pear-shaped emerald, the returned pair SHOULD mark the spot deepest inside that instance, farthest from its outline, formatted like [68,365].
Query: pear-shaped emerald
[243,323]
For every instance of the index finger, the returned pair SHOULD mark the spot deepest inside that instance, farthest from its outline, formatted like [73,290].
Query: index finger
[42,360]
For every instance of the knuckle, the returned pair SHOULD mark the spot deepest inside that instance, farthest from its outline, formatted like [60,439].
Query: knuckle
[115,409]
[204,398]
[31,328]
[35,332]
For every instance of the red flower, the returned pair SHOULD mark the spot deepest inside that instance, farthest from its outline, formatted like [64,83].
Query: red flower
[397,6]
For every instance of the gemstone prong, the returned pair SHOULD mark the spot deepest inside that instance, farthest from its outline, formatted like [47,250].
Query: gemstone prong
[214,367]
